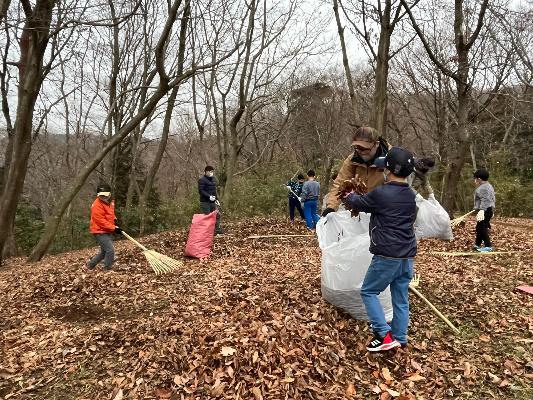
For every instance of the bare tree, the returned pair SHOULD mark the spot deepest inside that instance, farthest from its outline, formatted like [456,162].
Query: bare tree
[346,63]
[387,15]
[167,81]
[468,24]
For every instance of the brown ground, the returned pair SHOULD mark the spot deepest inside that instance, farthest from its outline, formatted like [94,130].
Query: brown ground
[249,323]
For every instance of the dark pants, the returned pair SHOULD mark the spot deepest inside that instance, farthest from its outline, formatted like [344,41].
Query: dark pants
[295,203]
[207,208]
[107,251]
[482,229]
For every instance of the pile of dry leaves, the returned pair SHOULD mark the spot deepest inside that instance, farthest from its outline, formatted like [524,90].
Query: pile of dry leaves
[249,323]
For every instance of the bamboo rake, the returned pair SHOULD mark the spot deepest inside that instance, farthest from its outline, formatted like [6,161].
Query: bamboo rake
[414,283]
[160,263]
[456,221]
[468,254]
[276,236]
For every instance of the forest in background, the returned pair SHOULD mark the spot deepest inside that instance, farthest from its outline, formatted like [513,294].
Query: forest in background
[143,94]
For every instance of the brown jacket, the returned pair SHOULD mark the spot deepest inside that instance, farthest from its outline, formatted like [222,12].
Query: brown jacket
[372,176]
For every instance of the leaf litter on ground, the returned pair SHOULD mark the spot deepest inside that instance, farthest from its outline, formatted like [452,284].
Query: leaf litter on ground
[249,323]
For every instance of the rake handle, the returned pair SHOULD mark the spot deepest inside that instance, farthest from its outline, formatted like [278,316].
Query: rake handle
[439,314]
[463,216]
[134,241]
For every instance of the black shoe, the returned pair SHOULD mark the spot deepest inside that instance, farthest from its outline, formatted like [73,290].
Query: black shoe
[382,344]
[219,232]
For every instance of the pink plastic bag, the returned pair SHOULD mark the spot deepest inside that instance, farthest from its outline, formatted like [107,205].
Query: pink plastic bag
[201,235]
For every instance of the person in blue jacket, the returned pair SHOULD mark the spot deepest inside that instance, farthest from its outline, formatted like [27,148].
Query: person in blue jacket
[207,188]
[392,241]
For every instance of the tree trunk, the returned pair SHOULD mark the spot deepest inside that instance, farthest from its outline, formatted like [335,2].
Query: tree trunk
[346,64]
[33,43]
[380,100]
[457,162]
[157,160]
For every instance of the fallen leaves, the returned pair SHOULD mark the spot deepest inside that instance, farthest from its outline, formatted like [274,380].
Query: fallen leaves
[227,351]
[249,323]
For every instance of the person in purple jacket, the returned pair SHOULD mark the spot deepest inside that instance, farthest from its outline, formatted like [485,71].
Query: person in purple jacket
[392,241]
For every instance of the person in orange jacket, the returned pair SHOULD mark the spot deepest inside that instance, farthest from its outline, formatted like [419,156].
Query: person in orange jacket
[103,225]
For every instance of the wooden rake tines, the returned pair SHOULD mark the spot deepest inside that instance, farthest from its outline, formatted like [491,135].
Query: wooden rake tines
[415,282]
[160,263]
[457,221]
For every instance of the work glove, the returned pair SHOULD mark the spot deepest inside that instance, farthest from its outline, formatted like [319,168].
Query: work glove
[480,216]
[212,198]
[301,199]
[432,197]
[288,188]
[217,203]
[118,231]
[327,211]
[419,198]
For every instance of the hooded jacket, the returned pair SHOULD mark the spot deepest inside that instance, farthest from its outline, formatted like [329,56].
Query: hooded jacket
[393,212]
[355,165]
[102,217]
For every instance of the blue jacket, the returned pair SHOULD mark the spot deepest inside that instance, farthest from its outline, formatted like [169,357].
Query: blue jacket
[207,187]
[393,210]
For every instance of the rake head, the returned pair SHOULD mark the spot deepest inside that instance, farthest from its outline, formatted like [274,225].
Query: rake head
[457,221]
[415,281]
[160,263]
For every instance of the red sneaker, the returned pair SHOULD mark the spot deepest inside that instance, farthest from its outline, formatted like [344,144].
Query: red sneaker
[382,344]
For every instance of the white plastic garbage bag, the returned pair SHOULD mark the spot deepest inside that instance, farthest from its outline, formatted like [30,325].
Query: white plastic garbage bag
[432,220]
[345,243]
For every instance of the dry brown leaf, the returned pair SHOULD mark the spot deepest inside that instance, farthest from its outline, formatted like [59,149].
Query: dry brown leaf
[416,378]
[119,395]
[384,396]
[393,393]
[227,351]
[257,393]
[163,393]
[350,390]
[386,374]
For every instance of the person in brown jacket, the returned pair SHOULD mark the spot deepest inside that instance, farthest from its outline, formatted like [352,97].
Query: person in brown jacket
[367,145]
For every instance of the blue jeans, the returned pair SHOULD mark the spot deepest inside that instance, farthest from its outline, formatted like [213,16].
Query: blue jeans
[396,272]
[311,216]
[107,251]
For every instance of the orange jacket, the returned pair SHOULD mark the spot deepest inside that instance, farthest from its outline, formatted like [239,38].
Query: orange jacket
[102,217]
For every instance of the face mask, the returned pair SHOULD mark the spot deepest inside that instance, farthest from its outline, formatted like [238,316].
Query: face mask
[210,174]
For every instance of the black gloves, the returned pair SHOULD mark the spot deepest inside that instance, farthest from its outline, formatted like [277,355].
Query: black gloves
[118,231]
[327,211]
